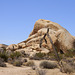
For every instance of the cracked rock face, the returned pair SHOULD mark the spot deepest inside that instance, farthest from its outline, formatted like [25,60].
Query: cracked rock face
[61,38]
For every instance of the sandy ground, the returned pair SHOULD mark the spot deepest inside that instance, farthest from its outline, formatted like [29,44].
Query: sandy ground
[12,70]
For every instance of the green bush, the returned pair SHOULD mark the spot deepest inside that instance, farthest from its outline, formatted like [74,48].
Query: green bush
[61,56]
[4,56]
[17,63]
[70,53]
[40,55]
[15,55]
[48,65]
[52,56]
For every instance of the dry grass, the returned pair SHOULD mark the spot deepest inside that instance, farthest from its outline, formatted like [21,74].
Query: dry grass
[30,63]
[68,69]
[48,65]
[38,56]
[69,65]
[17,63]
[15,55]
[40,72]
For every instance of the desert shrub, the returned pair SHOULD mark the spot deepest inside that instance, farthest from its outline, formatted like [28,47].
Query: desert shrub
[72,50]
[9,52]
[17,63]
[48,65]
[71,62]
[10,60]
[24,60]
[4,56]
[51,56]
[68,65]
[47,56]
[61,56]
[40,72]
[38,56]
[67,68]
[70,53]
[2,64]
[34,58]
[30,63]
[15,55]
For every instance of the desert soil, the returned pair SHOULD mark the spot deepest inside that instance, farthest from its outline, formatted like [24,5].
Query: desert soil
[12,70]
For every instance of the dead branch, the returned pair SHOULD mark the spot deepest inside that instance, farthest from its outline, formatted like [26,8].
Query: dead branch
[55,51]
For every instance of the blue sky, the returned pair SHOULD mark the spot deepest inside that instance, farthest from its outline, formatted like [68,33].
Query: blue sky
[17,17]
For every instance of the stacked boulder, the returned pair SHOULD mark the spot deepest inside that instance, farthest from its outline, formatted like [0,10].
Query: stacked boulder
[3,46]
[61,38]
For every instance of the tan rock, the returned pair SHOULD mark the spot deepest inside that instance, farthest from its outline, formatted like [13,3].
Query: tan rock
[41,23]
[61,38]
[22,45]
[44,50]
[12,47]
[3,46]
[32,54]
[19,50]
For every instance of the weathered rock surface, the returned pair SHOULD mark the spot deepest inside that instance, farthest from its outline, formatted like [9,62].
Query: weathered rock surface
[3,46]
[12,47]
[61,38]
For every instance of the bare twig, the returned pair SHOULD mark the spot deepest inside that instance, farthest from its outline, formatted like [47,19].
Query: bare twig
[55,51]
[47,34]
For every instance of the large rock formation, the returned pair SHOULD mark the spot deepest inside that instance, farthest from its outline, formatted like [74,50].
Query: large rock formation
[3,46]
[14,47]
[61,38]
